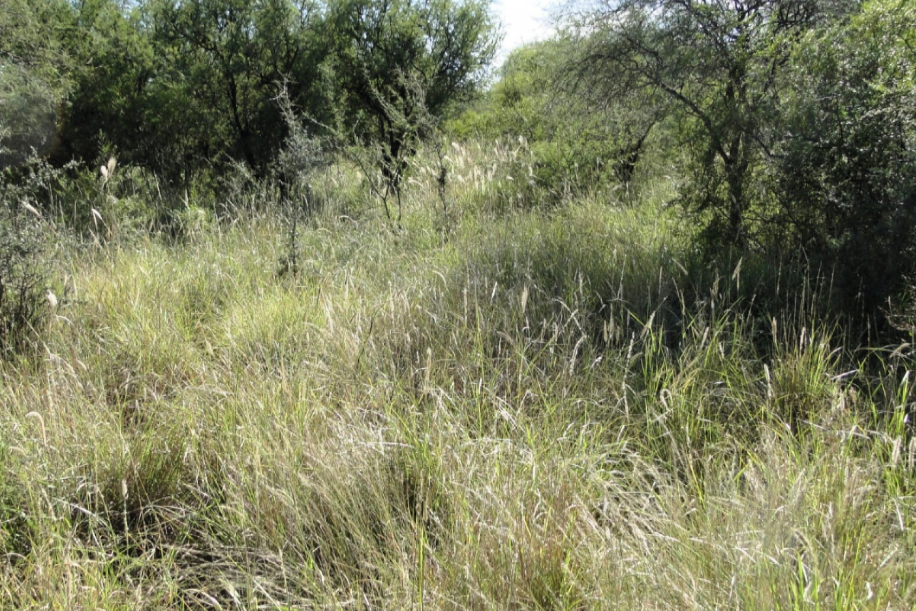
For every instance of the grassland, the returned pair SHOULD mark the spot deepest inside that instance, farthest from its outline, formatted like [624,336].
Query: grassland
[493,406]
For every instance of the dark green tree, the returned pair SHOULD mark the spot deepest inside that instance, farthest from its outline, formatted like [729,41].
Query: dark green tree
[35,75]
[845,167]
[115,64]
[231,57]
[400,63]
[719,64]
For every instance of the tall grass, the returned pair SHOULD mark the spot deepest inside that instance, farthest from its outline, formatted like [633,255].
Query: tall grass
[522,410]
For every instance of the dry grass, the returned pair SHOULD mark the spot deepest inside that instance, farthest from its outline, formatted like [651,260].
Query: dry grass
[518,411]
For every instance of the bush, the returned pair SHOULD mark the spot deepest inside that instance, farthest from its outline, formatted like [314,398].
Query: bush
[846,174]
[580,140]
[28,115]
[23,278]
[28,194]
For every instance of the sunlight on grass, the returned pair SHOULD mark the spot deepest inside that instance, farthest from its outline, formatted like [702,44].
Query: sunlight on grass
[523,410]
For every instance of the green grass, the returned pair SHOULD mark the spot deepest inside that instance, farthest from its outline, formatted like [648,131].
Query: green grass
[490,408]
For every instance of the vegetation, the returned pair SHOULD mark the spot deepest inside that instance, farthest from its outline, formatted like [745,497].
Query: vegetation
[639,334]
[400,65]
[719,63]
[530,411]
[806,94]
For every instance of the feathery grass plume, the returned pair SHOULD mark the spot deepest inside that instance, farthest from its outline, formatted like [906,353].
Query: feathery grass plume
[107,171]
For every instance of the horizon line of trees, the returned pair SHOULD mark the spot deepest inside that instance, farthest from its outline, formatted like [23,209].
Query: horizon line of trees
[184,86]
[791,123]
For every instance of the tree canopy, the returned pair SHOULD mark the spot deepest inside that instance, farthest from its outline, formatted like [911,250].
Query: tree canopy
[35,75]
[720,64]
[184,85]
[399,62]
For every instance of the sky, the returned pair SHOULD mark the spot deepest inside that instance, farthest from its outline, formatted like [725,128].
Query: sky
[523,21]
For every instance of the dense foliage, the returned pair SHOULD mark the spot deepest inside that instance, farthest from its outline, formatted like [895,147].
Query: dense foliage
[609,354]
[402,60]
[845,165]
[35,70]
[789,123]
[791,126]
[189,86]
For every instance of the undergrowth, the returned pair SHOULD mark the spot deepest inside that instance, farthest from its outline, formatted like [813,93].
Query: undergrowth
[528,409]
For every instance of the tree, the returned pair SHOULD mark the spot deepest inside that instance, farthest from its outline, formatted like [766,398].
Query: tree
[35,75]
[231,57]
[28,115]
[400,62]
[580,139]
[845,166]
[719,63]
[115,64]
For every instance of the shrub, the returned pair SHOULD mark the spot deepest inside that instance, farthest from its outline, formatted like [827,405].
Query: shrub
[29,198]
[23,277]
[846,173]
[28,115]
